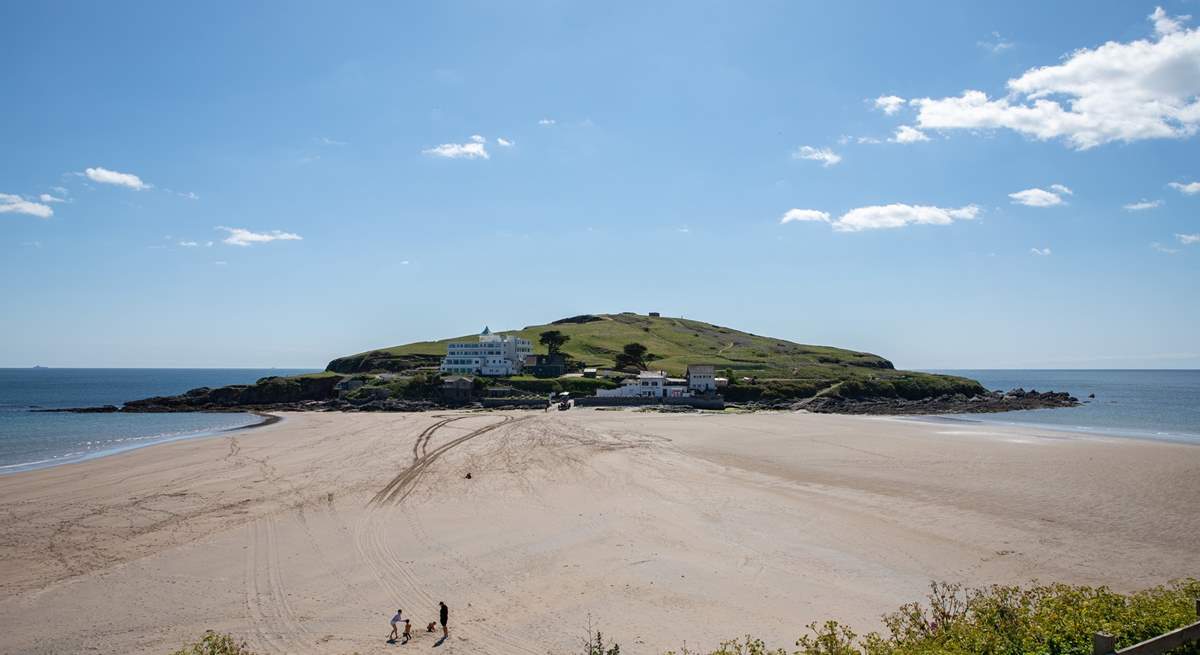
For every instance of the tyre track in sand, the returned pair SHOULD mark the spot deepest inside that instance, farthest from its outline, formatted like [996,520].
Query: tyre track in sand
[403,484]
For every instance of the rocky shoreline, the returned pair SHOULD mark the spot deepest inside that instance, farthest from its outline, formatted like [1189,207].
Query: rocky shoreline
[320,396]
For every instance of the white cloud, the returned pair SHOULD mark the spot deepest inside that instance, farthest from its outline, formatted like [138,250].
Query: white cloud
[45,197]
[1161,248]
[826,156]
[476,148]
[908,134]
[997,45]
[60,190]
[501,141]
[1191,188]
[13,204]
[188,244]
[1040,252]
[331,142]
[899,215]
[1142,205]
[799,215]
[404,263]
[1164,24]
[1040,197]
[547,121]
[868,139]
[220,263]
[1188,239]
[889,104]
[105,176]
[243,237]
[1144,89]
[190,195]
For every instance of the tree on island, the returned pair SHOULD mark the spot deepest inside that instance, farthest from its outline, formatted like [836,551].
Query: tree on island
[553,340]
[634,355]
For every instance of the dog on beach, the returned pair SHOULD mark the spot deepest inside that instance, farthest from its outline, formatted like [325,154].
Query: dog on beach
[431,627]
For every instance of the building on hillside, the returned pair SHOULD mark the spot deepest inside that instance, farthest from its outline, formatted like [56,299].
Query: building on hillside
[546,366]
[493,355]
[648,384]
[702,377]
[457,389]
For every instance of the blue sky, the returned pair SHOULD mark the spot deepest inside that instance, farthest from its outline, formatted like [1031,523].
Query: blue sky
[276,184]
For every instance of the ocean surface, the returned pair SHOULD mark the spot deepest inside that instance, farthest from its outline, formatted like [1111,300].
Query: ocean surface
[30,439]
[1152,404]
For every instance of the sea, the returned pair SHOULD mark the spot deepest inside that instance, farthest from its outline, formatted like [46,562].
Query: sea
[1161,404]
[30,439]
[1139,404]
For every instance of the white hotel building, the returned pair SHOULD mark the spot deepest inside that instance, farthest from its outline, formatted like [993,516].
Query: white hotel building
[494,354]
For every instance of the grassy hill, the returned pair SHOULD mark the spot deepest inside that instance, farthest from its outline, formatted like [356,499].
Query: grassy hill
[796,370]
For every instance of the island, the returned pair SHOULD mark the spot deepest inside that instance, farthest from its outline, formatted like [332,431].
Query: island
[610,359]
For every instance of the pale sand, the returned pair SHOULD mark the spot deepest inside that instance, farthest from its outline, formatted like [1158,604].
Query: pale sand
[663,528]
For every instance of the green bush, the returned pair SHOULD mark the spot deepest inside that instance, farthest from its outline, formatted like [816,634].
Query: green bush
[214,644]
[1055,619]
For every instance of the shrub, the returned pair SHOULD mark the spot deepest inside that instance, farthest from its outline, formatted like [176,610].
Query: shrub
[214,644]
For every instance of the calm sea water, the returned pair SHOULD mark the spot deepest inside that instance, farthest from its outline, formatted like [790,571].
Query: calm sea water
[1156,404]
[31,439]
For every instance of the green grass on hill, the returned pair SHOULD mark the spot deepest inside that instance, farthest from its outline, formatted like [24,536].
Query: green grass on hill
[677,342]
[783,369]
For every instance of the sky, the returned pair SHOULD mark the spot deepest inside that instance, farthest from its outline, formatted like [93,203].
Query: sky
[949,185]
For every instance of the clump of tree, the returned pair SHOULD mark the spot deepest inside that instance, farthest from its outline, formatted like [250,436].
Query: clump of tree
[213,643]
[553,340]
[634,355]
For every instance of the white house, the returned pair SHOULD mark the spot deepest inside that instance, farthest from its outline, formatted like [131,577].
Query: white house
[648,384]
[701,377]
[493,354]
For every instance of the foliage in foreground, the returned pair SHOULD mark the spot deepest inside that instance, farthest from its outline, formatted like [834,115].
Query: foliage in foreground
[214,644]
[1003,620]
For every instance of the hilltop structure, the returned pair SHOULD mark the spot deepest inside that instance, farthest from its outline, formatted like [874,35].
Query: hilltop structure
[492,355]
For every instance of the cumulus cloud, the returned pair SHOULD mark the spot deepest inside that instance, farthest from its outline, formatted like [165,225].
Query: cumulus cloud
[475,148]
[45,197]
[889,104]
[1142,205]
[1040,252]
[14,204]
[504,142]
[1191,188]
[1143,89]
[801,215]
[908,134]
[1188,239]
[547,121]
[1164,24]
[1041,197]
[826,156]
[899,215]
[243,237]
[105,176]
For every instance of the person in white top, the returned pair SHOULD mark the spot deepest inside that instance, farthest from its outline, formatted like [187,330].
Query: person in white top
[396,621]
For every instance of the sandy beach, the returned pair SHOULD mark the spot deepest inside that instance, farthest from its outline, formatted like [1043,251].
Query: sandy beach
[306,535]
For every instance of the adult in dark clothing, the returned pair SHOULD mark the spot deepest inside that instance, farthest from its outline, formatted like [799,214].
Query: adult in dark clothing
[444,616]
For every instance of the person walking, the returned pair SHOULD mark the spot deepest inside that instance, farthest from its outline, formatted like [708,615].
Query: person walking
[444,617]
[396,620]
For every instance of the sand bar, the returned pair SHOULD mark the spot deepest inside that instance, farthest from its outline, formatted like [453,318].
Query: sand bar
[304,536]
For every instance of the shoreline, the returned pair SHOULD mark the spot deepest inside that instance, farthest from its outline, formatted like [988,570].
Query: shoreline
[41,465]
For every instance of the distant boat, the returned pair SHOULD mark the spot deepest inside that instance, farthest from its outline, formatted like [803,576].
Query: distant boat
[40,366]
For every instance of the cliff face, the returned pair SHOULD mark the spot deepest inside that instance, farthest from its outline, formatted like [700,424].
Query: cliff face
[265,392]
